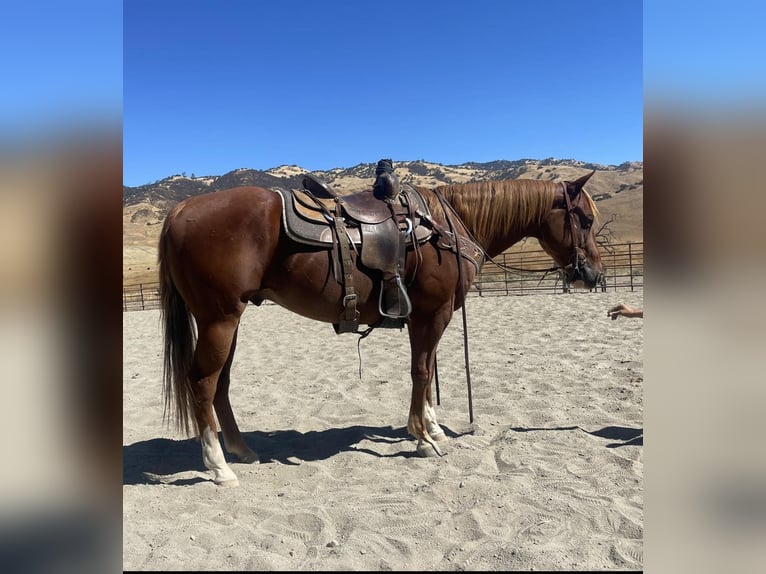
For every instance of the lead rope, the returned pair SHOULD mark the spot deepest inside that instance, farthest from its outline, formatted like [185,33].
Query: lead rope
[442,201]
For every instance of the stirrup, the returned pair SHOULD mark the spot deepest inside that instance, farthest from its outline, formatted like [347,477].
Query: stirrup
[397,305]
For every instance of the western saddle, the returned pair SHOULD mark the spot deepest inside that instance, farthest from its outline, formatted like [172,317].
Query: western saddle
[376,224]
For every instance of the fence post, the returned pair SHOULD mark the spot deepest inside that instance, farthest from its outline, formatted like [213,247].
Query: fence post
[141,290]
[630,263]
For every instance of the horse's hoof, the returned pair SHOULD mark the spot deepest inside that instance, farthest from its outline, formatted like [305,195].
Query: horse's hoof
[428,450]
[440,436]
[229,483]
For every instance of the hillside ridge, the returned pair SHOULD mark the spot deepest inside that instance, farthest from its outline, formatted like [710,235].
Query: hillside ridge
[618,191]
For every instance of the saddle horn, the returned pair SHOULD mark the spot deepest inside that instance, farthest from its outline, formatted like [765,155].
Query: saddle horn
[386,184]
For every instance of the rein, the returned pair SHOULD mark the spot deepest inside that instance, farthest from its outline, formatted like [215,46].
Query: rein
[570,219]
[445,206]
[486,255]
[447,209]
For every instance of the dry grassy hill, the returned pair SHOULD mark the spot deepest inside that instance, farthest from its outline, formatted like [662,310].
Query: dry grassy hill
[618,191]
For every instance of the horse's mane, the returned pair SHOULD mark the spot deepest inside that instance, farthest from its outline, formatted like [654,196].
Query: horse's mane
[500,206]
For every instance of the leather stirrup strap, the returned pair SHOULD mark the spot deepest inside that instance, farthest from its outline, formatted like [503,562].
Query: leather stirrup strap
[349,317]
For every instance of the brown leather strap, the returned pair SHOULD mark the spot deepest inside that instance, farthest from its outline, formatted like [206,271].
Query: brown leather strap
[568,201]
[412,212]
[452,227]
[349,317]
[570,218]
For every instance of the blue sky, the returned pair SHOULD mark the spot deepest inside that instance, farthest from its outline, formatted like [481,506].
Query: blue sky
[707,55]
[206,89]
[61,65]
[214,86]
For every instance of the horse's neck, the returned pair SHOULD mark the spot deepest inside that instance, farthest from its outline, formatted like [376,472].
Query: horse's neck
[498,244]
[496,241]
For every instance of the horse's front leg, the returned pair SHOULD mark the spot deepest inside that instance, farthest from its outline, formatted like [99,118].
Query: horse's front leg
[425,334]
[436,432]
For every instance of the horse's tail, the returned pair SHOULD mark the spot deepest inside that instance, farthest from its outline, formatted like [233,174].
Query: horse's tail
[180,339]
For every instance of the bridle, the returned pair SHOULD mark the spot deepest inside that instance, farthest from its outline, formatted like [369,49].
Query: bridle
[577,259]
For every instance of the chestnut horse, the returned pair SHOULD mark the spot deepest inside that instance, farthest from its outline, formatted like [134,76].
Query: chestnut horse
[219,251]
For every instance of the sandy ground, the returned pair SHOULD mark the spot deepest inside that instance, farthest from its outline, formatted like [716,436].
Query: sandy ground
[549,475]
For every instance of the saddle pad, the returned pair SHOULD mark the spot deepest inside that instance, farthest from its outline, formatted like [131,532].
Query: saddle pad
[306,206]
[298,226]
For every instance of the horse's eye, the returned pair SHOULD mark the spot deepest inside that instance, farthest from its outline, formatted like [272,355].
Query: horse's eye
[586,222]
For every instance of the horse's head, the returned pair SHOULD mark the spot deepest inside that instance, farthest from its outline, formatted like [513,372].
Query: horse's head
[568,236]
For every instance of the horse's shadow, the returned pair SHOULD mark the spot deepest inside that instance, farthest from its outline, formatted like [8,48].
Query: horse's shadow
[626,435]
[180,461]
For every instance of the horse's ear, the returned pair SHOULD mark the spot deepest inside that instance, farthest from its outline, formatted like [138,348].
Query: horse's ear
[579,183]
[575,187]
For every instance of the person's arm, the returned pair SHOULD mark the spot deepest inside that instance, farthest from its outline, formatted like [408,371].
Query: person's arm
[623,310]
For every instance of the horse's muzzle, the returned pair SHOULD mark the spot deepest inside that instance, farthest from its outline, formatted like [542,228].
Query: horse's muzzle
[584,276]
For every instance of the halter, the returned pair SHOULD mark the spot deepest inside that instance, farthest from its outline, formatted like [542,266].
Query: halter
[576,248]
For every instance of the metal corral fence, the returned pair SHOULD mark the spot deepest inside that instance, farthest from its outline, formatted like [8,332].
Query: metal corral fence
[141,297]
[623,266]
[623,263]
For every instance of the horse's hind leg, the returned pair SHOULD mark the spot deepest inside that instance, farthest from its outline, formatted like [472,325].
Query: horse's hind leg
[210,356]
[232,438]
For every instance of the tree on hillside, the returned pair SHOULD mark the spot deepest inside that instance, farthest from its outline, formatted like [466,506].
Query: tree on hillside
[605,234]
